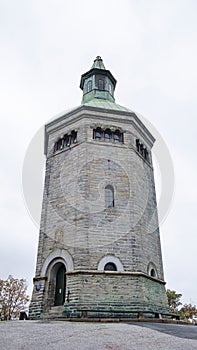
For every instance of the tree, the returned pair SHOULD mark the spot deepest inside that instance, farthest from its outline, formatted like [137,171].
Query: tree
[187,311]
[173,300]
[13,297]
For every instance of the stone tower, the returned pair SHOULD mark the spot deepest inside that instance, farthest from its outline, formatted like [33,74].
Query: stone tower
[99,252]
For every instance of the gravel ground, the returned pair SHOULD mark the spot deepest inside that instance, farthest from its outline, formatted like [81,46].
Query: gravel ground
[29,335]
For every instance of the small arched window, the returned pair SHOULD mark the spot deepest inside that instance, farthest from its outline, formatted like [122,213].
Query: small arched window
[153,273]
[117,136]
[98,134]
[108,135]
[73,136]
[59,144]
[66,140]
[138,145]
[89,86]
[110,89]
[142,149]
[101,84]
[109,196]
[110,267]
[146,154]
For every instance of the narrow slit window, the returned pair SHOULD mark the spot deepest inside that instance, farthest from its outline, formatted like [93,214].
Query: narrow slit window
[109,196]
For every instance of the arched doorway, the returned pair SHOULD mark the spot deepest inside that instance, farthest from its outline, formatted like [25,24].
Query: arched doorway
[55,293]
[60,285]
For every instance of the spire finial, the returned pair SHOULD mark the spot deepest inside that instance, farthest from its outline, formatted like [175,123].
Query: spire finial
[98,63]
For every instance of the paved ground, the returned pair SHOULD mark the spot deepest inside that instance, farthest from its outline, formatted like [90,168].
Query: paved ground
[57,335]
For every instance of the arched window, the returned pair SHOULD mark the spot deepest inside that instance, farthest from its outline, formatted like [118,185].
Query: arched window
[66,140]
[101,84]
[117,136]
[109,196]
[73,136]
[110,266]
[153,273]
[108,135]
[107,261]
[110,89]
[59,144]
[146,154]
[151,270]
[89,86]
[138,145]
[98,134]
[142,149]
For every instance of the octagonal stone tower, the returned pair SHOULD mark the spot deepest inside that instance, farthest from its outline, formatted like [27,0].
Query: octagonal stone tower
[99,252]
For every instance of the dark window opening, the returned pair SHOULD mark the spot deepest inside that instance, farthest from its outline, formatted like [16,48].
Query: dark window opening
[146,154]
[59,144]
[108,135]
[66,141]
[153,273]
[98,133]
[101,84]
[109,196]
[73,137]
[138,145]
[110,267]
[89,86]
[142,150]
[117,136]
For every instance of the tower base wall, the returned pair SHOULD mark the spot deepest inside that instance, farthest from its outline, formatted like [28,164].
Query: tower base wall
[114,294]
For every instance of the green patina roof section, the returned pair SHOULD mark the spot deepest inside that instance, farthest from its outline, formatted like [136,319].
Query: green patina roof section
[98,63]
[95,102]
[106,104]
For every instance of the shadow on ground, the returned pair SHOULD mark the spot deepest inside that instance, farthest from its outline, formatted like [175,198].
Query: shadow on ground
[177,330]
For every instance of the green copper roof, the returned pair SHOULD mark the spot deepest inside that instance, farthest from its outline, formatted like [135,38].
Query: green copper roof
[98,63]
[106,104]
[98,82]
[99,103]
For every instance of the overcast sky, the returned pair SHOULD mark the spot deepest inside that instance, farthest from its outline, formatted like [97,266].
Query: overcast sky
[150,46]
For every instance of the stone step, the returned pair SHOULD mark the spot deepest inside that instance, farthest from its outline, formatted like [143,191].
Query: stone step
[54,311]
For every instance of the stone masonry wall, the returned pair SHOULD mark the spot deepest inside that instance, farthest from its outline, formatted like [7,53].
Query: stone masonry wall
[74,202]
[115,291]
[74,217]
